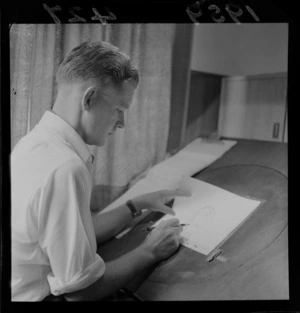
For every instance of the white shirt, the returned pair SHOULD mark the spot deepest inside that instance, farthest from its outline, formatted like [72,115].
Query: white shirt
[53,239]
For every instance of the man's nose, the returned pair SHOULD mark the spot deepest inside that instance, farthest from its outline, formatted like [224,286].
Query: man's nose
[121,120]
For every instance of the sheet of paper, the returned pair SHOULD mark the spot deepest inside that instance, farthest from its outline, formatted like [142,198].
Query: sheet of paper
[192,158]
[212,213]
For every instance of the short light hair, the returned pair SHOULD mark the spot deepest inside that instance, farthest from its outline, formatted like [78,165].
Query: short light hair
[96,60]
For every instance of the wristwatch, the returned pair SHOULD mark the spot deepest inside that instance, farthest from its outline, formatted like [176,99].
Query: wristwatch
[134,211]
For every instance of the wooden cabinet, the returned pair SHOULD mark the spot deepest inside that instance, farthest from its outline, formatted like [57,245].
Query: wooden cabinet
[253,107]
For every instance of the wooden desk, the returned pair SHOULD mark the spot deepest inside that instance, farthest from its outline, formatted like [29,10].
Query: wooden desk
[257,254]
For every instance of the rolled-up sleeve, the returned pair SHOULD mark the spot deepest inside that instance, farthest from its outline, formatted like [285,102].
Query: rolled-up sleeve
[66,230]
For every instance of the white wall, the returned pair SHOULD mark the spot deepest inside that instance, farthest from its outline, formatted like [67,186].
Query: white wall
[246,49]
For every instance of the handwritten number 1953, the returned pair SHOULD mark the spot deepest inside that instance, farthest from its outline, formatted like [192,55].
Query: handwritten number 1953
[76,17]
[233,10]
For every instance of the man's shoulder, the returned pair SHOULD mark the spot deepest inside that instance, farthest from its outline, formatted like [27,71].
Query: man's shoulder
[40,156]
[71,167]
[39,143]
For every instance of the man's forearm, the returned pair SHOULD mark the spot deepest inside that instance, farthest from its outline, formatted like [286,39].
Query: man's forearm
[109,224]
[117,274]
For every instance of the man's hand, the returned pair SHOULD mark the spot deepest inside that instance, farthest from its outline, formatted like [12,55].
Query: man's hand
[164,240]
[155,201]
[161,243]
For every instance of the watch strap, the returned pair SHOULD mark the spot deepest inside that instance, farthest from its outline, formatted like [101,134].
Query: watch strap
[134,211]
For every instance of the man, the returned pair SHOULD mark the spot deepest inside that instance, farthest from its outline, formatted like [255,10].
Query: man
[53,232]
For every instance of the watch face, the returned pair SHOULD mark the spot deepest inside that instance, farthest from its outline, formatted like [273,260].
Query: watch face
[137,213]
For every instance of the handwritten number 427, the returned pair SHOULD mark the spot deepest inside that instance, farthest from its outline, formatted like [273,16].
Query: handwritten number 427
[76,17]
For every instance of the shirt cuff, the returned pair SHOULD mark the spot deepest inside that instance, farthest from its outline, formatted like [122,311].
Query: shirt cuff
[79,281]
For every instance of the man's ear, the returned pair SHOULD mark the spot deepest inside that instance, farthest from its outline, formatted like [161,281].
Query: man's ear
[87,98]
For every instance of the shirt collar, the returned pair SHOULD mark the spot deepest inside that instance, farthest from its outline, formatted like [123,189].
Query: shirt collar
[61,127]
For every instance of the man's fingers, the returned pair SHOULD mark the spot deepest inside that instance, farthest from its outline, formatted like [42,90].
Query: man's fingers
[170,222]
[176,228]
[182,192]
[164,209]
[178,192]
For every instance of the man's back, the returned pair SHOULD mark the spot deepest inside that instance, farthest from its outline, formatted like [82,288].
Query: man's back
[35,161]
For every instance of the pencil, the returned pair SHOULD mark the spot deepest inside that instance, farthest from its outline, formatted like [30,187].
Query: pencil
[152,227]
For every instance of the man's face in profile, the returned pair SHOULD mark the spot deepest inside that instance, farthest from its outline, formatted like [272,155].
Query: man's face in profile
[107,113]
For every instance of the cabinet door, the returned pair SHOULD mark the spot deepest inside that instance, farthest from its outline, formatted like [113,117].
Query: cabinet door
[204,104]
[253,107]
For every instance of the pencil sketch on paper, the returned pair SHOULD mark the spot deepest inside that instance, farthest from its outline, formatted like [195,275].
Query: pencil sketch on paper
[205,214]
[202,220]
